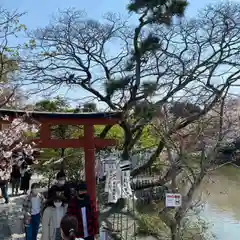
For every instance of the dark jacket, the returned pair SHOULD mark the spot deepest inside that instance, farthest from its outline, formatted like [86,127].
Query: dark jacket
[15,172]
[3,182]
[74,209]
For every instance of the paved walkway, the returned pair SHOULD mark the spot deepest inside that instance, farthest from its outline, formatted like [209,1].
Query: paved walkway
[10,217]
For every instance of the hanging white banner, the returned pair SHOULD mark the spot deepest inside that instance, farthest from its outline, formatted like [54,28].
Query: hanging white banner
[117,183]
[118,186]
[109,178]
[109,165]
[112,193]
[126,185]
[109,172]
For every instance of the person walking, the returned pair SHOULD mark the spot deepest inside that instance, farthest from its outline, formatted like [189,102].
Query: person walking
[32,209]
[25,177]
[68,228]
[4,179]
[15,178]
[60,183]
[83,208]
[52,216]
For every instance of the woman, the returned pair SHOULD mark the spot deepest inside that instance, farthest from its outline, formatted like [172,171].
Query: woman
[25,177]
[32,209]
[60,183]
[15,178]
[52,216]
[69,225]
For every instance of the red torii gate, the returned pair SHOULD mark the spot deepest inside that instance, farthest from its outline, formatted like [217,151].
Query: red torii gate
[89,142]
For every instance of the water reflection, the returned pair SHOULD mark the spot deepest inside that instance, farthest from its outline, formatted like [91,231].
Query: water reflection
[221,191]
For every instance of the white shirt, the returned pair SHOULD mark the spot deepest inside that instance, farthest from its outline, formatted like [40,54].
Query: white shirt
[36,205]
[4,175]
[59,215]
[84,221]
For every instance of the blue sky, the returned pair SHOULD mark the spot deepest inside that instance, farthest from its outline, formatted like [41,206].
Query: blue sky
[39,13]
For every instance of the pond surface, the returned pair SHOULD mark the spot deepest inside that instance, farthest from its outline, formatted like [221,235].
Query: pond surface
[221,191]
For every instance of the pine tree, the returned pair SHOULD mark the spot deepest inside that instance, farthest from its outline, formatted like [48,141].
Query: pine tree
[158,11]
[151,12]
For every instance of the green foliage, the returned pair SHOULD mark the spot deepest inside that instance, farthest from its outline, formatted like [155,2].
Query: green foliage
[148,221]
[58,104]
[89,107]
[48,171]
[158,11]
[147,140]
[31,44]
[149,88]
[116,133]
[114,85]
[74,163]
[150,224]
[148,45]
[193,226]
[48,153]
[145,110]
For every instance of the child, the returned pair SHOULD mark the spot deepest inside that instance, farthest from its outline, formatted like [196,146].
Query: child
[32,208]
[69,225]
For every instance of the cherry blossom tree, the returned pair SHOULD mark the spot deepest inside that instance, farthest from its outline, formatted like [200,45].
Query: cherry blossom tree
[191,153]
[13,136]
[15,141]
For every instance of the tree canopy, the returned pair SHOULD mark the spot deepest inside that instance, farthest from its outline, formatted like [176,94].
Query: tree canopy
[160,62]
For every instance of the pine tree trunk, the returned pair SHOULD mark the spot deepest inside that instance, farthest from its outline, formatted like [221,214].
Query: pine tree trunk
[174,232]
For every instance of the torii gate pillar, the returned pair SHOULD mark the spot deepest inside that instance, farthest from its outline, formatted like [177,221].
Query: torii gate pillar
[89,151]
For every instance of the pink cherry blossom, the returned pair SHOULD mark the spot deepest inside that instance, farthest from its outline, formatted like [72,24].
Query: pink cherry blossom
[13,139]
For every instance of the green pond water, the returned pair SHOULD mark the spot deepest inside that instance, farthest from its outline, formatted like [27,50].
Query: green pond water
[221,192]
